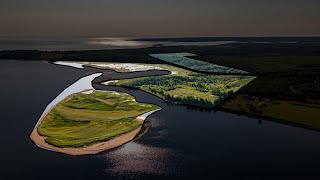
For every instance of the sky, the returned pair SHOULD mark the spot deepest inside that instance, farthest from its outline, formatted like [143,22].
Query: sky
[159,18]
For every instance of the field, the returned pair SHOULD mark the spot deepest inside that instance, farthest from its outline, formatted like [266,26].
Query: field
[306,115]
[85,119]
[181,59]
[186,87]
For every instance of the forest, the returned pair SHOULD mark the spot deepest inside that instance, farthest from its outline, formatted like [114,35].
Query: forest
[189,88]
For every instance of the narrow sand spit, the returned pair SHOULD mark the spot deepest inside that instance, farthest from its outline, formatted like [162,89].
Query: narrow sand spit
[144,116]
[70,64]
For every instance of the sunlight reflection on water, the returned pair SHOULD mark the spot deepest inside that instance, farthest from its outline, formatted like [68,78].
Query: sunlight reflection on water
[134,158]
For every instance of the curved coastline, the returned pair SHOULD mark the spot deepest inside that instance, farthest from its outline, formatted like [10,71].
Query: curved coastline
[94,148]
[83,85]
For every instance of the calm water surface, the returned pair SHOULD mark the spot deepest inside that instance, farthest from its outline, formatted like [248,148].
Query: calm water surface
[86,43]
[179,142]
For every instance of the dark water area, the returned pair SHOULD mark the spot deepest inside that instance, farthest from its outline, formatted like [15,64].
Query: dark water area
[236,39]
[87,43]
[180,142]
[11,43]
[112,75]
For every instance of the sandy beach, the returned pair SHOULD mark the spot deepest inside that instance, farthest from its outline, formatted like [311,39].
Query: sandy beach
[92,149]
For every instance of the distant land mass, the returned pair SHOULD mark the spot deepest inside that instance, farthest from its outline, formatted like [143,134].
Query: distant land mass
[287,70]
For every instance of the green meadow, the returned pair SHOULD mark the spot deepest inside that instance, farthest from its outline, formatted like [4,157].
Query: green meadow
[301,114]
[84,119]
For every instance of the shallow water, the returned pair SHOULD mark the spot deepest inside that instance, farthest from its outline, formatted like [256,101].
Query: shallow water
[179,142]
[82,84]
[70,64]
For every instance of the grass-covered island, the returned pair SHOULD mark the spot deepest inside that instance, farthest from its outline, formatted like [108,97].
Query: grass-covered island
[88,123]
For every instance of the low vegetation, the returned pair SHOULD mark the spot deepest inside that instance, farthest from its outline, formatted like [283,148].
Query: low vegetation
[122,67]
[85,119]
[301,114]
[181,59]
